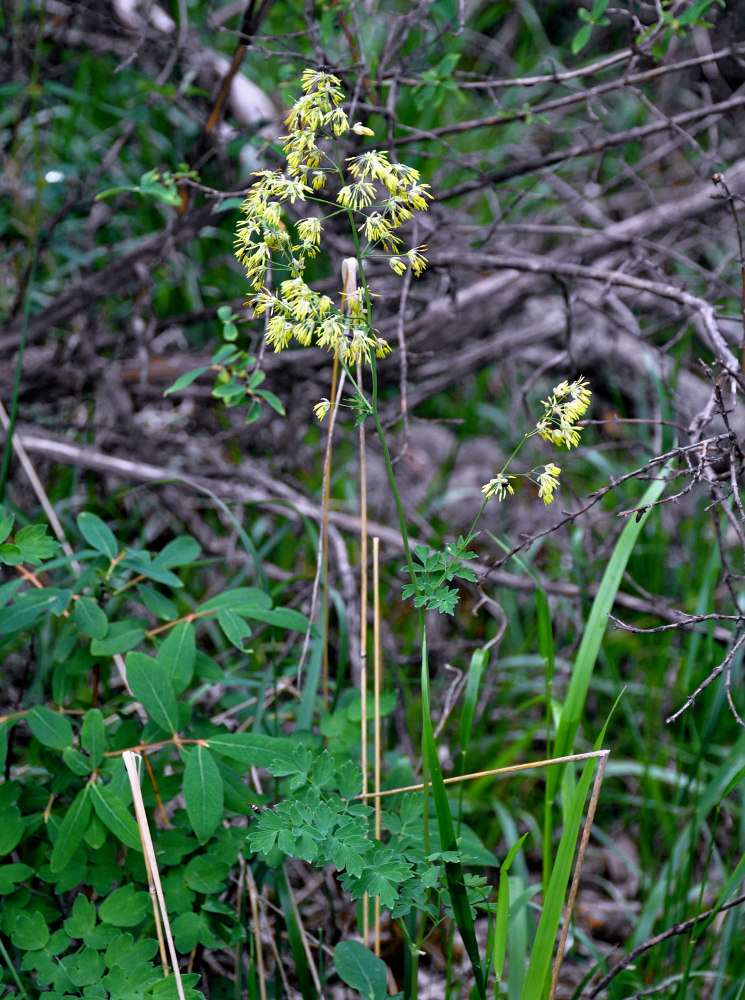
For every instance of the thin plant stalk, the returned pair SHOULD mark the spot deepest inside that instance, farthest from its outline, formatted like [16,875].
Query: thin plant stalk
[335,387]
[377,671]
[491,772]
[131,762]
[305,967]
[363,636]
[253,898]
[12,970]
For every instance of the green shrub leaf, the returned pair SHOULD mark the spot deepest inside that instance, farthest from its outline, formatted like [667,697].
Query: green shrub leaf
[12,875]
[35,544]
[359,968]
[30,931]
[241,599]
[115,816]
[71,830]
[11,829]
[203,793]
[186,379]
[275,753]
[179,552]
[90,618]
[120,637]
[178,654]
[50,728]
[97,534]
[32,607]
[151,686]
[77,762]
[234,628]
[125,907]
[83,917]
[127,954]
[93,735]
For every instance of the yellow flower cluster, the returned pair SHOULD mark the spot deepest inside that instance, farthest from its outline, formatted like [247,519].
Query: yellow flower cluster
[565,406]
[392,190]
[548,481]
[563,409]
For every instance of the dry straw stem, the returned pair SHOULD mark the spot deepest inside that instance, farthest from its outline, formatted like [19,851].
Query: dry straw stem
[132,762]
[513,768]
[377,745]
[363,634]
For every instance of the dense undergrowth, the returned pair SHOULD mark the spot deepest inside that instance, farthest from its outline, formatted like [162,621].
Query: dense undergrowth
[183,579]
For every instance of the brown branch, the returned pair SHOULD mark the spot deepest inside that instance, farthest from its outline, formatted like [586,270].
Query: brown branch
[680,928]
[536,264]
[266,491]
[613,141]
[580,97]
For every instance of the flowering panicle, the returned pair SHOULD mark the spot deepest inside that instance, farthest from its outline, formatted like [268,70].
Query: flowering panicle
[391,191]
[567,404]
[563,409]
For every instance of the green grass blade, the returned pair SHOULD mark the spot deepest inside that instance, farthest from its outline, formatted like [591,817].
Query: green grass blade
[304,721]
[479,662]
[295,936]
[593,634]
[548,925]
[501,922]
[453,869]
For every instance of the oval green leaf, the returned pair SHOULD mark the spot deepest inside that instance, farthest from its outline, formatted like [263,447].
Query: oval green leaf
[120,637]
[115,816]
[177,655]
[93,735]
[361,969]
[97,534]
[71,831]
[50,728]
[90,619]
[151,686]
[203,793]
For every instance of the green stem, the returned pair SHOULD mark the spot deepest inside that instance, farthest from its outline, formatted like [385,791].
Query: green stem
[391,477]
[11,969]
[472,529]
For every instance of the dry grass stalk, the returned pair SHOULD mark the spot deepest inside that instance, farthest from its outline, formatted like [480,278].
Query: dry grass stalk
[132,763]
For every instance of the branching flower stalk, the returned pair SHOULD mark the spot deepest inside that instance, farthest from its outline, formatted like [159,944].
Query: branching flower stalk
[378,197]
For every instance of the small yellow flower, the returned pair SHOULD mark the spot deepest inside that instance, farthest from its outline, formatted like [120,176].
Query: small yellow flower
[417,260]
[322,408]
[359,129]
[397,265]
[499,487]
[548,482]
[372,163]
[310,230]
[356,195]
